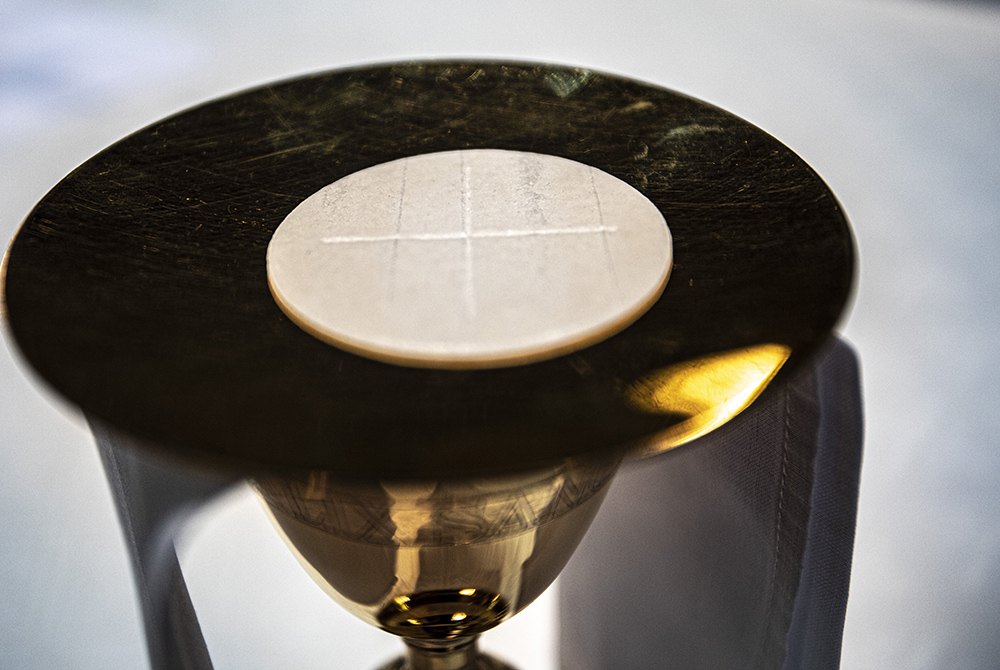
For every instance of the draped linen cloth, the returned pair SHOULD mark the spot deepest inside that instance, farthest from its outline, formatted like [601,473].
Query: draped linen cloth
[733,551]
[154,497]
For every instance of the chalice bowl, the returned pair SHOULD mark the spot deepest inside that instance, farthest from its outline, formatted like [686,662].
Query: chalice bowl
[438,562]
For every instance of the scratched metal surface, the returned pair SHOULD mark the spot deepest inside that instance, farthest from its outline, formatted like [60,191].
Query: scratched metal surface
[138,287]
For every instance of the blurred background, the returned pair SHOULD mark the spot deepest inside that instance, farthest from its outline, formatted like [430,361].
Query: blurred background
[895,103]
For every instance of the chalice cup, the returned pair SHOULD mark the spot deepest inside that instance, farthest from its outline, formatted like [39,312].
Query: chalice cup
[438,562]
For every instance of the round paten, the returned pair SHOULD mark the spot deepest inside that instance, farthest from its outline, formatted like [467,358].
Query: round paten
[470,259]
[138,287]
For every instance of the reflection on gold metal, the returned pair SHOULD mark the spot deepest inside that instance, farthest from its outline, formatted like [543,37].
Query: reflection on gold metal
[437,562]
[709,391]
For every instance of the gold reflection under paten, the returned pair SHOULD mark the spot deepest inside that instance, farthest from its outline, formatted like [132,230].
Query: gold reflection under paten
[437,560]
[709,391]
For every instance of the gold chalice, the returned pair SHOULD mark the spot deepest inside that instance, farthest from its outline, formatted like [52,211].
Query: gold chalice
[438,563]
[427,308]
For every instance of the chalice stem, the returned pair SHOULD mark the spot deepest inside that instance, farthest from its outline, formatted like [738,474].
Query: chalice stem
[459,654]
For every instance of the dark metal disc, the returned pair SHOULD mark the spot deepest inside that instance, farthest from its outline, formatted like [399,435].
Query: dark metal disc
[137,287]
